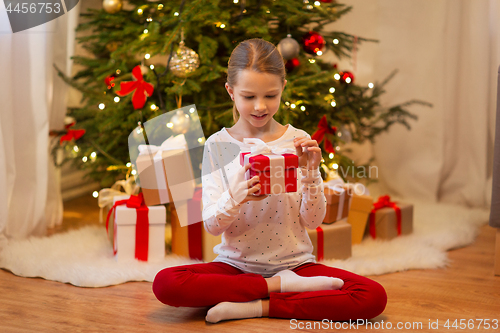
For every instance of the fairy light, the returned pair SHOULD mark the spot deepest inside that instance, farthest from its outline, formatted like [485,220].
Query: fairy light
[102,106]
[287,103]
[268,12]
[170,125]
[302,108]
[332,90]
[319,53]
[118,72]
[335,41]
[335,166]
[146,31]
[330,155]
[153,107]
[336,76]
[84,159]
[116,99]
[333,103]
[93,155]
[191,110]
[200,140]
[176,14]
[293,106]
[133,172]
[337,148]
[235,1]
[139,11]
[160,6]
[222,26]
[149,19]
[128,165]
[348,80]
[371,85]
[147,56]
[152,67]
[317,3]
[95,194]
[312,61]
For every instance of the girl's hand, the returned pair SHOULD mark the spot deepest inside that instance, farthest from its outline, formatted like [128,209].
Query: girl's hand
[242,190]
[310,157]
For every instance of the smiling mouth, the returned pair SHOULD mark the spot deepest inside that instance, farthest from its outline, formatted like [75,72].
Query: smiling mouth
[259,117]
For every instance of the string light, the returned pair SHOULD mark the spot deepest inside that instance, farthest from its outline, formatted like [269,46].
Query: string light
[335,41]
[191,110]
[371,85]
[222,26]
[317,3]
[330,156]
[128,165]
[312,61]
[348,80]
[293,106]
[153,107]
[147,56]
[146,31]
[102,106]
[139,11]
[95,194]
[337,148]
[332,90]
[118,72]
[84,159]
[133,172]
[335,166]
[302,108]
[116,99]
[176,14]
[287,103]
[333,103]
[336,76]
[93,156]
[201,140]
[149,19]
[235,1]
[152,67]
[160,6]
[170,125]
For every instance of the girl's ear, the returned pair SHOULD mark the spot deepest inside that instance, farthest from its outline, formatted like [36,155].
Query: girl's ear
[230,90]
[284,84]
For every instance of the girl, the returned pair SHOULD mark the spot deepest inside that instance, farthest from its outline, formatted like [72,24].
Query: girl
[265,265]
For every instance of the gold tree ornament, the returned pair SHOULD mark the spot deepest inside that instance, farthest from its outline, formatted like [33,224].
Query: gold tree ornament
[112,6]
[184,61]
[180,122]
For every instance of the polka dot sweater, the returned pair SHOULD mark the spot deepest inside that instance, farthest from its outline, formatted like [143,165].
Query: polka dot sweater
[262,237]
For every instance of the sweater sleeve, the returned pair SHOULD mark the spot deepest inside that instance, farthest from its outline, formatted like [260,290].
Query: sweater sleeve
[313,204]
[219,209]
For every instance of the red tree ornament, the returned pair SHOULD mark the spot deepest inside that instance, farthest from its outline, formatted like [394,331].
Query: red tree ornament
[322,132]
[346,77]
[291,64]
[143,89]
[313,42]
[109,81]
[71,134]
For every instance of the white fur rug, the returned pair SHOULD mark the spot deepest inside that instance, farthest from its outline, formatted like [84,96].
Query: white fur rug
[84,257]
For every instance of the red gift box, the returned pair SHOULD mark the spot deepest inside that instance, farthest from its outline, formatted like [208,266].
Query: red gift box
[277,172]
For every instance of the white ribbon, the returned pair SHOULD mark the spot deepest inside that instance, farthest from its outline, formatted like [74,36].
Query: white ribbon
[260,147]
[172,143]
[106,195]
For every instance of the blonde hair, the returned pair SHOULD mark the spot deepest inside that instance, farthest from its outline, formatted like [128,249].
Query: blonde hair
[258,55]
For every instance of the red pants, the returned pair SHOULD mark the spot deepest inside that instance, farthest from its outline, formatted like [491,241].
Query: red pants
[208,284]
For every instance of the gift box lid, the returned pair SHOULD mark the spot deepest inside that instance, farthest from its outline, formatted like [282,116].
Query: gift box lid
[362,203]
[127,216]
[261,162]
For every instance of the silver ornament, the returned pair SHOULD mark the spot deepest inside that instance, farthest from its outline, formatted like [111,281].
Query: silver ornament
[112,6]
[289,48]
[180,122]
[184,61]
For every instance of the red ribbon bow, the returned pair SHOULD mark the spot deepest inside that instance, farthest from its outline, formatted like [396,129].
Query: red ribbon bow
[71,134]
[141,226]
[143,89]
[383,202]
[324,129]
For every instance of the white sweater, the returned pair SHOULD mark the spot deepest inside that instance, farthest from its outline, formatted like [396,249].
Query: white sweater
[262,237]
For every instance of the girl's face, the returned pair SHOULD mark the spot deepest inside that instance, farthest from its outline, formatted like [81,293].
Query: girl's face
[257,96]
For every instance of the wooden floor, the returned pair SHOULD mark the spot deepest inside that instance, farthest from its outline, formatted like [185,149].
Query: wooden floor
[465,290]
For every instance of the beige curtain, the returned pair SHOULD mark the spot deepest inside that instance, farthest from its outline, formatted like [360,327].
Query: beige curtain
[447,53]
[33,103]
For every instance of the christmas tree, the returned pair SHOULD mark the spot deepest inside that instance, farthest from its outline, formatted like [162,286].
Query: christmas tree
[151,57]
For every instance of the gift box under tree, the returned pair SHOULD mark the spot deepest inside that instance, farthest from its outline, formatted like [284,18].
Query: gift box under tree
[139,230]
[337,203]
[165,172]
[332,241]
[359,211]
[192,241]
[390,219]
